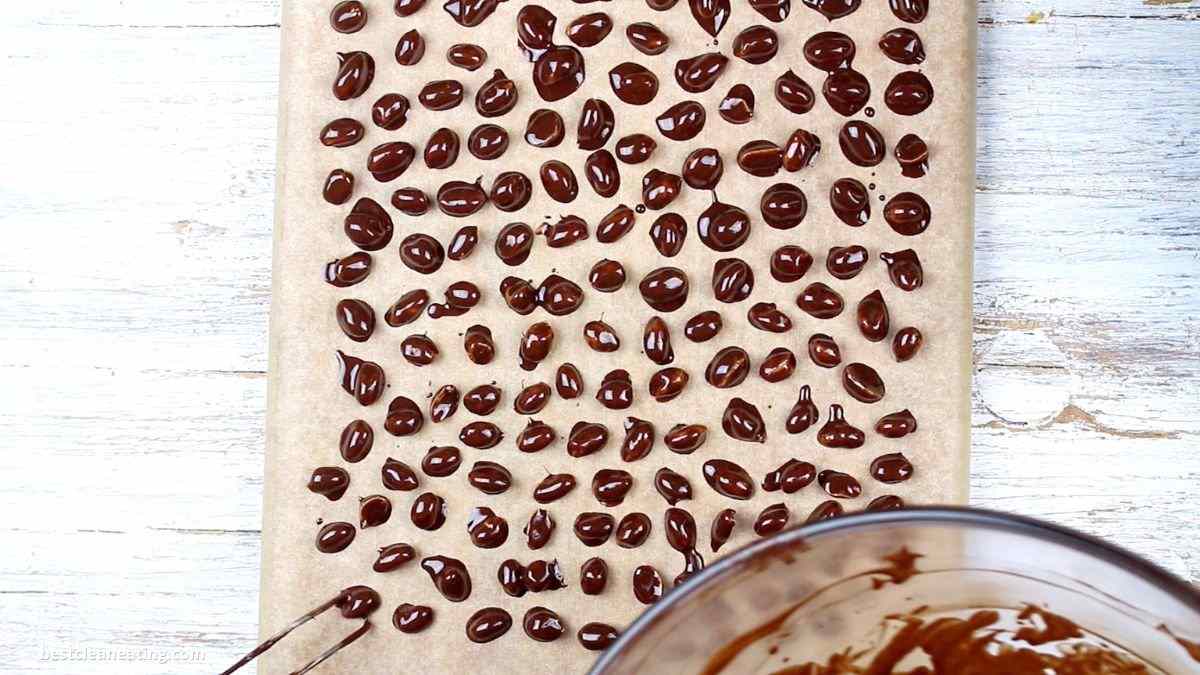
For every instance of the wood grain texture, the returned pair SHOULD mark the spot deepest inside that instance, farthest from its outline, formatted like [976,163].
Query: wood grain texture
[136,288]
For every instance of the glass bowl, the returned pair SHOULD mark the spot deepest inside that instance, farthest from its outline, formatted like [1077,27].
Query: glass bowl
[838,593]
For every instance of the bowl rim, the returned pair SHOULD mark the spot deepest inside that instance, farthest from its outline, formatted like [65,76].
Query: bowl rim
[1034,528]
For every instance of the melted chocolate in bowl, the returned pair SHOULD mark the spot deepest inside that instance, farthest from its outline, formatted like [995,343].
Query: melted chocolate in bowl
[938,591]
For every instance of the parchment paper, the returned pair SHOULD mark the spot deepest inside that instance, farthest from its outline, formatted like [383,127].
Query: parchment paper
[307,408]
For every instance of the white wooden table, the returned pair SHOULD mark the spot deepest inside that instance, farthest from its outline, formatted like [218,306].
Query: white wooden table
[136,197]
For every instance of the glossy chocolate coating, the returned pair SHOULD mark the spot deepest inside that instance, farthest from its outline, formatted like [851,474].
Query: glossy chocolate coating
[593,576]
[664,289]
[728,479]
[673,486]
[847,91]
[496,96]
[635,148]
[488,623]
[478,344]
[656,341]
[334,537]
[596,121]
[397,475]
[699,73]
[804,412]
[441,95]
[906,343]
[487,141]
[481,435]
[833,9]
[794,94]
[820,301]
[647,38]
[826,510]
[728,367]
[470,13]
[766,316]
[339,187]
[885,503]
[330,482]
[536,436]
[535,345]
[441,150]
[907,213]
[685,439]
[342,133]
[559,296]
[600,170]
[801,150]
[891,468]
[348,16]
[466,56]
[482,400]
[838,484]
[566,231]
[660,188]
[896,425]
[542,625]
[364,380]
[638,441]
[532,399]
[790,263]
[772,10]
[711,15]
[539,529]
[422,253]
[838,433]
[356,319]
[910,11]
[514,242]
[682,121]
[589,30]
[756,44]
[409,618]
[863,383]
[732,280]
[615,224]
[823,350]
[850,202]
[741,421]
[647,582]
[486,529]
[778,365]
[544,575]
[459,199]
[593,529]
[511,576]
[738,105]
[607,276]
[912,154]
[441,461]
[418,350]
[633,530]
[703,326]
[872,317]
[845,262]
[558,72]
[559,182]
[903,45]
[667,383]
[410,48]
[722,528]
[760,158]
[703,168]
[680,529]
[393,556]
[862,143]
[668,233]
[909,93]
[490,478]
[586,438]
[610,486]
[783,205]
[390,112]
[428,513]
[829,51]
[348,270]
[553,487]
[791,477]
[568,382]
[723,227]
[411,201]
[772,519]
[595,636]
[545,129]
[356,71]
